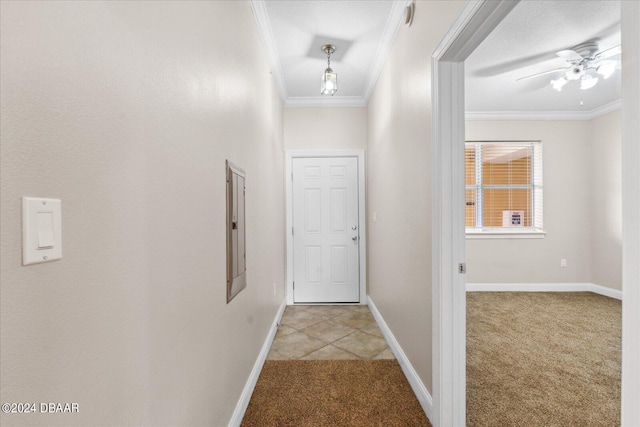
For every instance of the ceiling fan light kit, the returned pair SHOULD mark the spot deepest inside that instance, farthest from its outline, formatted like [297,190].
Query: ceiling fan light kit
[329,83]
[585,64]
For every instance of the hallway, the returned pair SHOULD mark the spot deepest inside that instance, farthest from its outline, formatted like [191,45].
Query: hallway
[330,365]
[127,113]
[329,332]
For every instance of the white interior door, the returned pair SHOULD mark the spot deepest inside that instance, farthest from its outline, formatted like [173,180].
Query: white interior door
[325,230]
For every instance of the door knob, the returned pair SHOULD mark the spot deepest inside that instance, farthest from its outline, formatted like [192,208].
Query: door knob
[354,238]
[354,227]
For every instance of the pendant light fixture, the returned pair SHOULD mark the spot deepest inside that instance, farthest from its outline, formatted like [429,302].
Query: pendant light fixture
[329,84]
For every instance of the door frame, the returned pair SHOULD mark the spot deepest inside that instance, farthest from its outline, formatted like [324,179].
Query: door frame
[362,247]
[475,22]
[448,294]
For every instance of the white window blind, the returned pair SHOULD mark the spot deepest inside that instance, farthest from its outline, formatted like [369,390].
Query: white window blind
[503,185]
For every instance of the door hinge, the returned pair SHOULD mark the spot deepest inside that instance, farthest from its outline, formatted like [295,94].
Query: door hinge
[294,285]
[462,268]
[291,176]
[292,232]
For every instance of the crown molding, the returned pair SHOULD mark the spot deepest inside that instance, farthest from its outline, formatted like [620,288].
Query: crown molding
[543,115]
[326,101]
[264,28]
[384,47]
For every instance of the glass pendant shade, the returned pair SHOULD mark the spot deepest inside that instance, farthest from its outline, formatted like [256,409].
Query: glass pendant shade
[607,69]
[329,84]
[587,82]
[558,84]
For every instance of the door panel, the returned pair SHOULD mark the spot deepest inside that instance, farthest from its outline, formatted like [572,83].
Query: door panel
[339,264]
[312,210]
[326,230]
[338,210]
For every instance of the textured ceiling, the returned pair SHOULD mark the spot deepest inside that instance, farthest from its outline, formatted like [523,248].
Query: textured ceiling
[294,32]
[525,43]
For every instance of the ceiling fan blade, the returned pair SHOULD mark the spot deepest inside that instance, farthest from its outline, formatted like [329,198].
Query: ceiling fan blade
[616,62]
[557,70]
[569,55]
[613,51]
[512,65]
[601,61]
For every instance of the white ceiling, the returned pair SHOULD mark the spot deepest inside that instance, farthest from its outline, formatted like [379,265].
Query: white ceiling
[294,32]
[524,43]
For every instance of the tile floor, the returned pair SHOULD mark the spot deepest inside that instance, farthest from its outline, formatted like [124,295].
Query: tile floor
[328,332]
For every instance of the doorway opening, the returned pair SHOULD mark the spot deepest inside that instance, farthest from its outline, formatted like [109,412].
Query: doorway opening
[448,123]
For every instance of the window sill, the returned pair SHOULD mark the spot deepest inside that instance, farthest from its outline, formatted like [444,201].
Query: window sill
[496,233]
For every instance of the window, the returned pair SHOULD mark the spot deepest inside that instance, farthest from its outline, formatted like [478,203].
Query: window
[503,187]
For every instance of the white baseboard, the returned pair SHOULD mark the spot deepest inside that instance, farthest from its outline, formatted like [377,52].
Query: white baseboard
[245,397]
[607,292]
[416,383]
[544,287]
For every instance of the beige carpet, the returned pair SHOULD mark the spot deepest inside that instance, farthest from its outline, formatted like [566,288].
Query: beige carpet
[333,393]
[543,359]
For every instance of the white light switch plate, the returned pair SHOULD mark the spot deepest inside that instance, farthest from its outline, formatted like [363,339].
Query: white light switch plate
[41,230]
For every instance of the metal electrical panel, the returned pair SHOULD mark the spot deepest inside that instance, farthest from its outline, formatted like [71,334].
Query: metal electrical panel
[236,255]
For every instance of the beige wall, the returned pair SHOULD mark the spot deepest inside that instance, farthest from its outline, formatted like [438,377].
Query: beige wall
[581,206]
[325,128]
[399,183]
[127,112]
[606,204]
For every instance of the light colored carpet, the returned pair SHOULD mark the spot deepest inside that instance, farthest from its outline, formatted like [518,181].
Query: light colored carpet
[543,359]
[300,393]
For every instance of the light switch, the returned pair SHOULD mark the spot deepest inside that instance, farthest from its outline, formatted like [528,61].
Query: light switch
[41,230]
[45,230]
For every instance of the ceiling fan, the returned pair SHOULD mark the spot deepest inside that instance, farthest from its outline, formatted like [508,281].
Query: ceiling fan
[585,63]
